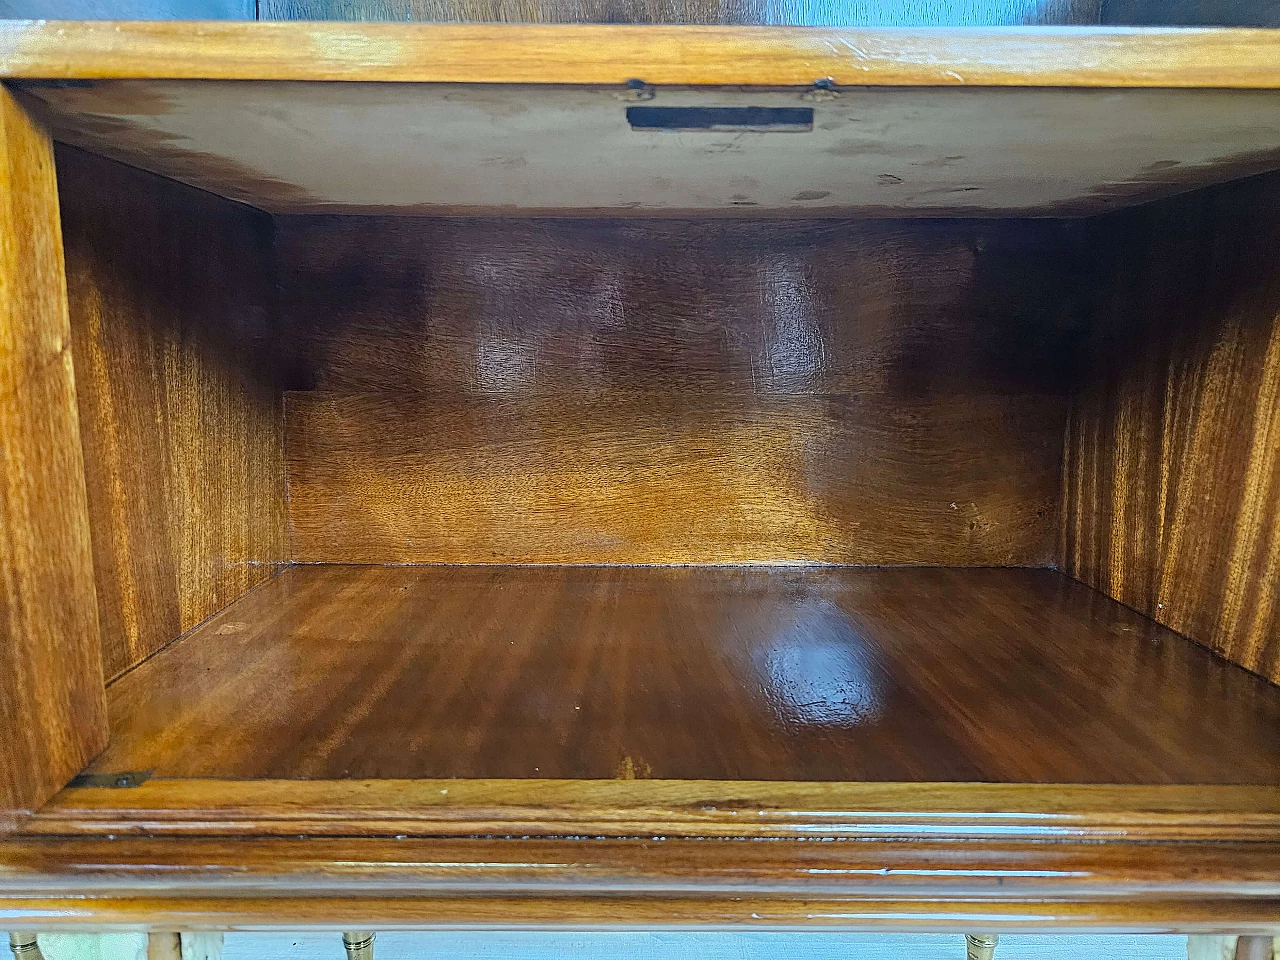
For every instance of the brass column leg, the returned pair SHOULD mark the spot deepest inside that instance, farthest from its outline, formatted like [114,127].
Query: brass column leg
[24,946]
[1255,948]
[359,944]
[980,946]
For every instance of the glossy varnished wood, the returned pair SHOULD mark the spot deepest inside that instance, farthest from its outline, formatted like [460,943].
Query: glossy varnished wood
[52,709]
[585,53]
[668,808]
[190,883]
[1172,471]
[604,391]
[179,400]
[685,673]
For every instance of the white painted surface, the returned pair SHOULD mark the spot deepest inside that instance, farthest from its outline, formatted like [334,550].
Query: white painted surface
[464,148]
[93,946]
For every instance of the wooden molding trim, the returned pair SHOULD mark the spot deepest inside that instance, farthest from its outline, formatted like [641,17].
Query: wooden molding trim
[608,54]
[668,808]
[294,883]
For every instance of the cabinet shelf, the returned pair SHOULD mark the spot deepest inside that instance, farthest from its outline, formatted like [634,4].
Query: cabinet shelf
[1034,122]
[834,674]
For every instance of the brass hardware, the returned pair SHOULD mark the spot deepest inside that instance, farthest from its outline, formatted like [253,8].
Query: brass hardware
[1255,948]
[980,946]
[359,944]
[823,91]
[636,91]
[24,946]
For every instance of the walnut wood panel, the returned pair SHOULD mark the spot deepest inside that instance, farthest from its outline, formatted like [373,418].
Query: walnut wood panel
[659,479]
[668,808]
[179,406]
[613,54]
[898,13]
[190,883]
[519,149]
[1172,472]
[690,673]
[52,708]
[572,391]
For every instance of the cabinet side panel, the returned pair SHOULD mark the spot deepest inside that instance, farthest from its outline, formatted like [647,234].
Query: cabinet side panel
[52,704]
[594,391]
[181,416]
[1172,465]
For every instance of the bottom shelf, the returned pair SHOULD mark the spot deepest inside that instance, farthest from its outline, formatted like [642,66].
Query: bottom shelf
[808,674]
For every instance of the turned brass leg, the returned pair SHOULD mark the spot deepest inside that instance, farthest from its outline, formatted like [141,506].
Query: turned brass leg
[980,946]
[359,944]
[24,946]
[1255,948]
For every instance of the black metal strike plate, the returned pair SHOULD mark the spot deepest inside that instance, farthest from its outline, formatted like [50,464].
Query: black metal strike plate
[756,119]
[115,781]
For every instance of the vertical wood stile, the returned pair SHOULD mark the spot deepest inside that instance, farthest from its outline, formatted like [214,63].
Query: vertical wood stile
[52,703]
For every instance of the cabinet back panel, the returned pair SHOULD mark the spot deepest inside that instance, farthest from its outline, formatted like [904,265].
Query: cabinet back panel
[570,391]
[1172,471]
[179,406]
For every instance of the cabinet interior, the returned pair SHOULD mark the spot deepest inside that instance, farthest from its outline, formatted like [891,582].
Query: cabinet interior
[755,462]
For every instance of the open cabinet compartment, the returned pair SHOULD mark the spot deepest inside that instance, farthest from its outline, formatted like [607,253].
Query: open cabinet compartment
[901,463]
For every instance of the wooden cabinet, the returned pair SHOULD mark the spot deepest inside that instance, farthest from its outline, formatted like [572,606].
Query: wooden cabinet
[663,476]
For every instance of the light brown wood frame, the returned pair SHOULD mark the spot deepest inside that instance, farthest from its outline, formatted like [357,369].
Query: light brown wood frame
[53,713]
[608,54]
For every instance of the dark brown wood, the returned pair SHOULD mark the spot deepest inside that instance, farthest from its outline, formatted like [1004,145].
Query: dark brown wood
[573,391]
[892,13]
[53,716]
[686,673]
[179,400]
[969,812]
[650,882]
[1172,472]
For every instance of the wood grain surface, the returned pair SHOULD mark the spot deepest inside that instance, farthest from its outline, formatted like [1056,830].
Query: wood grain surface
[1172,470]
[53,714]
[895,13]
[585,53]
[513,883]
[179,401]
[690,673]
[567,391]
[669,808]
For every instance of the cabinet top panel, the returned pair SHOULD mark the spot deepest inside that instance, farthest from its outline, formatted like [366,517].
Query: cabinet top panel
[490,149]
[614,54]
